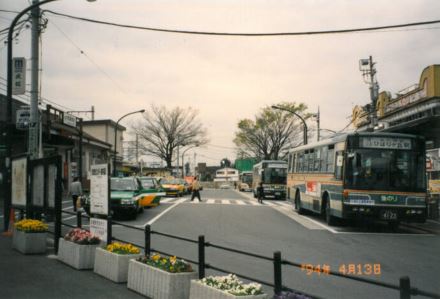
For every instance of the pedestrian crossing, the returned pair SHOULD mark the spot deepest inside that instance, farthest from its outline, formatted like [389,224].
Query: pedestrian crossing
[239,202]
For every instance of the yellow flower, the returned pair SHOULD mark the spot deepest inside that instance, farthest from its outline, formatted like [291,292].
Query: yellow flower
[173,260]
[155,257]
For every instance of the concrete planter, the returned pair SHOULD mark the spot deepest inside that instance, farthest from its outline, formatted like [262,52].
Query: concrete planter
[29,243]
[201,291]
[111,265]
[158,284]
[78,256]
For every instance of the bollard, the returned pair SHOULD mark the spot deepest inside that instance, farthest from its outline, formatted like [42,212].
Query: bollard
[109,229]
[405,288]
[78,219]
[201,257]
[277,272]
[147,232]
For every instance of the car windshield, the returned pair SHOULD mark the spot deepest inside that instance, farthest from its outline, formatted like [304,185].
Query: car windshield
[275,175]
[122,184]
[148,183]
[385,170]
[170,182]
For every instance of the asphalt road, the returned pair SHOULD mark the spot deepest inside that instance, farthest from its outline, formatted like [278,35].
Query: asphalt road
[232,219]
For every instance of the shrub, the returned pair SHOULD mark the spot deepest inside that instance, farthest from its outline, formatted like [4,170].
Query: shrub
[81,236]
[232,285]
[169,264]
[31,226]
[122,248]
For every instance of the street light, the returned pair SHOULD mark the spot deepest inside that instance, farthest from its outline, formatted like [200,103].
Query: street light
[116,140]
[8,158]
[302,119]
[183,165]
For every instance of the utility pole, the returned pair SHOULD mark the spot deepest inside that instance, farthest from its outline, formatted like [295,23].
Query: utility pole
[34,122]
[177,163]
[367,67]
[318,121]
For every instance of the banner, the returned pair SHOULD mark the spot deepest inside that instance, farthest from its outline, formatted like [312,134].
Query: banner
[19,182]
[98,228]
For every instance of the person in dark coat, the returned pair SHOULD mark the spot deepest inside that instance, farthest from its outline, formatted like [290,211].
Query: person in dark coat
[260,192]
[195,190]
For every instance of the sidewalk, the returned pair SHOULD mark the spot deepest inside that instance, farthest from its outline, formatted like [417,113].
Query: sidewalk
[42,276]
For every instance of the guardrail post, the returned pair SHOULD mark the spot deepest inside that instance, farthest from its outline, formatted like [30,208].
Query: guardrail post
[109,229]
[277,272]
[78,219]
[147,232]
[405,288]
[201,257]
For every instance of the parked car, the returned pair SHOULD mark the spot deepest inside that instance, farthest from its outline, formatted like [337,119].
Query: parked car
[173,186]
[125,195]
[152,192]
[225,186]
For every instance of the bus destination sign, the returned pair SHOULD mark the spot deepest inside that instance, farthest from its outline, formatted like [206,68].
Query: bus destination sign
[386,143]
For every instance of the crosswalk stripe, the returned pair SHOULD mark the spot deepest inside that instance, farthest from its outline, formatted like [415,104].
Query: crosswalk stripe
[165,200]
[225,201]
[239,202]
[268,203]
[254,203]
[210,201]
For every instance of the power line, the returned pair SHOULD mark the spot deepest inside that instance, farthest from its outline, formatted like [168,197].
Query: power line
[334,31]
[9,11]
[90,59]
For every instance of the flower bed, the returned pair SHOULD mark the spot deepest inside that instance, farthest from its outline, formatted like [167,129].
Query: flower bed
[112,262]
[224,287]
[160,277]
[29,236]
[77,249]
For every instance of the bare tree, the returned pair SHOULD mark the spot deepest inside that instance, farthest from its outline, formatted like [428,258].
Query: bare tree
[272,132]
[163,130]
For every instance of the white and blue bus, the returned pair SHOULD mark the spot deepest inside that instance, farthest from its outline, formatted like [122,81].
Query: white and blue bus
[366,174]
[273,174]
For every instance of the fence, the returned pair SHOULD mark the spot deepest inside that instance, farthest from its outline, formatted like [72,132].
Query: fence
[404,286]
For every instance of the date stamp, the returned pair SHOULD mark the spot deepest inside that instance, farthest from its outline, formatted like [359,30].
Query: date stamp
[366,269]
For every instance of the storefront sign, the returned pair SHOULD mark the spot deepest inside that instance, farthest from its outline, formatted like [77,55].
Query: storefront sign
[69,119]
[386,143]
[434,186]
[19,182]
[98,228]
[407,99]
[99,189]
[22,119]
[18,75]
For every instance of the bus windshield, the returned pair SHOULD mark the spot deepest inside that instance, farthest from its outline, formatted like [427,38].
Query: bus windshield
[247,178]
[275,176]
[393,170]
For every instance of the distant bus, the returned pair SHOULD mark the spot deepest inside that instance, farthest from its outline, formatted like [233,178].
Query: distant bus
[375,175]
[245,181]
[273,174]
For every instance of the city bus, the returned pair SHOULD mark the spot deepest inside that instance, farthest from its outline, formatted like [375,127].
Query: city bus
[245,181]
[273,174]
[360,175]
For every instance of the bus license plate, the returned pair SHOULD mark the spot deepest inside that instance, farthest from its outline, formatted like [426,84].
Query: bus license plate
[389,215]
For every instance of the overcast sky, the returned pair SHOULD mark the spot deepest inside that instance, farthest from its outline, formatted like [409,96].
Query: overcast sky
[225,78]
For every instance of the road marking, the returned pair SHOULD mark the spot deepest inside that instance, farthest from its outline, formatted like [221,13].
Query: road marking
[240,202]
[320,224]
[254,203]
[268,203]
[163,213]
[210,201]
[166,200]
[225,201]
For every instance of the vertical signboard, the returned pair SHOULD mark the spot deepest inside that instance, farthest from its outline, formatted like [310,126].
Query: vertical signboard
[99,189]
[19,181]
[98,228]
[18,75]
[38,186]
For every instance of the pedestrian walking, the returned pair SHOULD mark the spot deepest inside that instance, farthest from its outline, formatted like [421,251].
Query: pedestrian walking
[75,191]
[195,190]
[260,192]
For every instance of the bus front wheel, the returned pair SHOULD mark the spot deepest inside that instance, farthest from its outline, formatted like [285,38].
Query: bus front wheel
[298,207]
[331,220]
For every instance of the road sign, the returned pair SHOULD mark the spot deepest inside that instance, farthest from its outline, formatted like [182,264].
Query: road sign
[23,119]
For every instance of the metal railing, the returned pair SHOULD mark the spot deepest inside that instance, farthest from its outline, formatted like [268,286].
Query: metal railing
[404,286]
